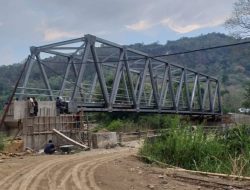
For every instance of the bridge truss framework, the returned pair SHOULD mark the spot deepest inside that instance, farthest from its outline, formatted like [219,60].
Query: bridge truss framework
[99,75]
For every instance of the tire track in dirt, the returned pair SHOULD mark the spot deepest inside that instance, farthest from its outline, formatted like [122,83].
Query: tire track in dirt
[90,173]
[64,173]
[84,172]
[43,175]
[31,175]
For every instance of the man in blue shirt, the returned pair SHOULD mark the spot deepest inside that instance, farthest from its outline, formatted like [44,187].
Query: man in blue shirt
[49,148]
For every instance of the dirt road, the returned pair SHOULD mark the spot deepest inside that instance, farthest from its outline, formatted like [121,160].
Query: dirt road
[63,172]
[115,169]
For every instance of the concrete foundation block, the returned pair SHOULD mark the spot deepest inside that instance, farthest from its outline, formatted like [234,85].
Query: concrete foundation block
[104,140]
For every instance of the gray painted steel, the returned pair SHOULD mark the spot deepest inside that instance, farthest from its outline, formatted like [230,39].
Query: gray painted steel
[100,75]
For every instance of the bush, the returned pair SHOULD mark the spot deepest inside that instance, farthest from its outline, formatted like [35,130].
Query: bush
[1,141]
[129,123]
[115,125]
[157,121]
[193,149]
[237,140]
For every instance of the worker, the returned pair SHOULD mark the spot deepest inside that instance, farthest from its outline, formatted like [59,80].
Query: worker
[58,106]
[49,148]
[78,119]
[35,106]
[30,106]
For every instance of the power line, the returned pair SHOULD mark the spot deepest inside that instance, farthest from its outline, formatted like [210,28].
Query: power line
[164,55]
[177,53]
[204,49]
[181,53]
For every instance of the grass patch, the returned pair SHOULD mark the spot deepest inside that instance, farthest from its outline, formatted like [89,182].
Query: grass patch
[140,123]
[184,147]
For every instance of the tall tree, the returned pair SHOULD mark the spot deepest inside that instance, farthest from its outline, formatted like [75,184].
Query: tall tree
[239,22]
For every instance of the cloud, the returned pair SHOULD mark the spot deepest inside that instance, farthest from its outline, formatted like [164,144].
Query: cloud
[52,34]
[120,21]
[174,25]
[185,28]
[55,33]
[141,25]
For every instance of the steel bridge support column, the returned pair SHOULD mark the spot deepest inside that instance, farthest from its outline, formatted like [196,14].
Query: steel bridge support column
[126,87]
[179,90]
[92,88]
[45,78]
[205,95]
[117,79]
[163,87]
[27,74]
[193,92]
[210,96]
[130,79]
[199,92]
[187,90]
[99,73]
[82,68]
[219,98]
[141,87]
[65,77]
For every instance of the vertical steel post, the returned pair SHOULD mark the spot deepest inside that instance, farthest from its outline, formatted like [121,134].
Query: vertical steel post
[210,96]
[27,74]
[219,98]
[199,92]
[141,87]
[117,79]
[82,68]
[92,88]
[100,76]
[193,92]
[187,89]
[129,78]
[163,86]
[126,87]
[178,94]
[171,87]
[205,95]
[45,78]
[65,77]
[214,97]
[154,85]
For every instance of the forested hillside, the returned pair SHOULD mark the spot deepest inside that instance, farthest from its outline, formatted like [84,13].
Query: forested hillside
[231,65]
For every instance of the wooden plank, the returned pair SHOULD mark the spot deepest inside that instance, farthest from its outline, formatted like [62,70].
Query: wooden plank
[70,140]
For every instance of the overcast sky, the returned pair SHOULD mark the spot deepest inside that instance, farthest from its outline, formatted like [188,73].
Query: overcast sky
[25,23]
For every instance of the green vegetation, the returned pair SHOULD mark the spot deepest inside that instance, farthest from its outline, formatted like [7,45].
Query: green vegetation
[246,101]
[193,149]
[131,122]
[1,141]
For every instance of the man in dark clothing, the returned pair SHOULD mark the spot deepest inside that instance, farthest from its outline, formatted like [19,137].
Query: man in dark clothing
[49,148]
[78,119]
[35,106]
[58,106]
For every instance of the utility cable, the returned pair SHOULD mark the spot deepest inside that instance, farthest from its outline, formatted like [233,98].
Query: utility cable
[162,55]
[175,53]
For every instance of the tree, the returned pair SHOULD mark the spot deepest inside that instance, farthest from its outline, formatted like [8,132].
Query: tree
[239,22]
[246,102]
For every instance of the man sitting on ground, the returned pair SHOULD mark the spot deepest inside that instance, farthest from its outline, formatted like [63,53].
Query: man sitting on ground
[49,148]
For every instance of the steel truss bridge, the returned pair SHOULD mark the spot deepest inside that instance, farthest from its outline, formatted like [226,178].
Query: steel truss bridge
[94,74]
